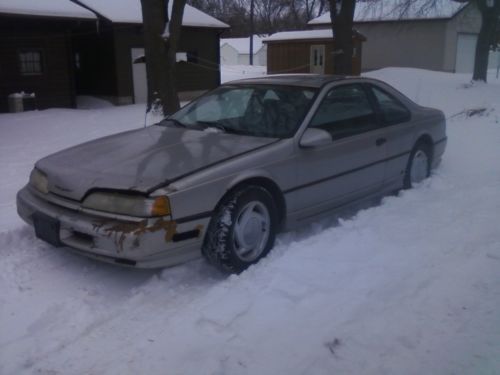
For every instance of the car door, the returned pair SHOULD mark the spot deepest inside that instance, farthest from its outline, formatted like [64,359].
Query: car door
[352,164]
[396,119]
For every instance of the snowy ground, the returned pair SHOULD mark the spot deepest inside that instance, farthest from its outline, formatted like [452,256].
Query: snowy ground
[410,286]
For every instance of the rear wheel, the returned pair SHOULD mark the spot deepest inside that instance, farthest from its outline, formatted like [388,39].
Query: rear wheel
[242,230]
[419,165]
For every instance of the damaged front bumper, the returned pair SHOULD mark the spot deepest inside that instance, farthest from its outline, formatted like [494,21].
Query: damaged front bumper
[139,242]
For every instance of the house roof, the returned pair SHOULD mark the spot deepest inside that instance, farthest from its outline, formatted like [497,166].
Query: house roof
[45,8]
[129,11]
[397,10]
[242,45]
[305,34]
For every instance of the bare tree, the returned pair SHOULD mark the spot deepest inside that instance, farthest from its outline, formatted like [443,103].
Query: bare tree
[342,16]
[488,36]
[161,39]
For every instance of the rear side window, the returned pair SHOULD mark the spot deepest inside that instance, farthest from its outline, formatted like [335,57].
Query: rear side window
[392,110]
[345,111]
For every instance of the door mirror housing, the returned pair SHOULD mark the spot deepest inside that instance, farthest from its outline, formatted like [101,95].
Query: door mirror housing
[314,137]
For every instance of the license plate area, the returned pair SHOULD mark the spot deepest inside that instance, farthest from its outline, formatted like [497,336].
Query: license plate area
[47,229]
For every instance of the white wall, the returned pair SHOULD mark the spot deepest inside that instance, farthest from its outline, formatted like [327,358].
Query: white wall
[228,55]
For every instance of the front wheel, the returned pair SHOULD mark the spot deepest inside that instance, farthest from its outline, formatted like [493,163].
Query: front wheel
[242,230]
[419,165]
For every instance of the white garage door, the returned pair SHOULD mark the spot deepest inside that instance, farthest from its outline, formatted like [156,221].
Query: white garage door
[139,76]
[466,49]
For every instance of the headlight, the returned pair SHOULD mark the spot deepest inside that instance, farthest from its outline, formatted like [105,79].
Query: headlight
[39,181]
[128,204]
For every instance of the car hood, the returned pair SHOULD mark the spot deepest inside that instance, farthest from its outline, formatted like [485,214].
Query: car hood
[140,160]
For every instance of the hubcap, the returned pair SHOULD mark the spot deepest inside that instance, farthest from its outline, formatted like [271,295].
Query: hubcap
[251,231]
[419,167]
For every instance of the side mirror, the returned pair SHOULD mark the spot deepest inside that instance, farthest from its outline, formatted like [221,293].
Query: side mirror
[314,137]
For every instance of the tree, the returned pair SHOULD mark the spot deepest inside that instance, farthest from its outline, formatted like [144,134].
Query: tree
[161,39]
[342,16]
[488,36]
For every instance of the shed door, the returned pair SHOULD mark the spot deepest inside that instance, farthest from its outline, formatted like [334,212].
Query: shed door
[139,76]
[466,50]
[317,59]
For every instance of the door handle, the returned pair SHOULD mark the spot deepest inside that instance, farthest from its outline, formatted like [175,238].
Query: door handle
[380,141]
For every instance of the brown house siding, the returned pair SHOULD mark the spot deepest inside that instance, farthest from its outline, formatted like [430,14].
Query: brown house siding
[293,56]
[54,87]
[106,60]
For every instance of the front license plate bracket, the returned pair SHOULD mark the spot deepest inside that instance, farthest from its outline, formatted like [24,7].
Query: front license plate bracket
[47,229]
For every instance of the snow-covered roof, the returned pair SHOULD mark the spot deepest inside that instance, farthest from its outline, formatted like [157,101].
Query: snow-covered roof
[45,8]
[396,10]
[305,34]
[242,45]
[129,11]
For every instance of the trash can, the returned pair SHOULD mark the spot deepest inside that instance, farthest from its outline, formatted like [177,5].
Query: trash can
[21,101]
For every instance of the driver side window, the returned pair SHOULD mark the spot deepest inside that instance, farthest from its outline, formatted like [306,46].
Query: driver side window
[345,111]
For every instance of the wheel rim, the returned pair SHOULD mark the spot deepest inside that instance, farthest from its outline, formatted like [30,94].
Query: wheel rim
[419,167]
[251,231]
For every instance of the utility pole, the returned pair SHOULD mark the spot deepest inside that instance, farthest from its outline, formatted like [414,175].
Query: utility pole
[251,31]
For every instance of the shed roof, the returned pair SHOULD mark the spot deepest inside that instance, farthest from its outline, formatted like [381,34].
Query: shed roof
[308,35]
[300,35]
[130,11]
[398,10]
[45,8]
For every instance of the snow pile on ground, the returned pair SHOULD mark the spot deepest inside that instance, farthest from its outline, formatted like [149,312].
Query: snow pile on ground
[234,72]
[408,286]
[92,102]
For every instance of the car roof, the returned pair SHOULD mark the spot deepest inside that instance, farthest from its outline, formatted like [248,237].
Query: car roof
[302,80]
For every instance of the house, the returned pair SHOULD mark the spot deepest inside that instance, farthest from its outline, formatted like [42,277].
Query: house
[110,64]
[35,50]
[440,37]
[59,49]
[307,51]
[236,51]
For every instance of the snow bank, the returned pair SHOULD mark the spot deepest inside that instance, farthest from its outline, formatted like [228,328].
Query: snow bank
[234,72]
[409,285]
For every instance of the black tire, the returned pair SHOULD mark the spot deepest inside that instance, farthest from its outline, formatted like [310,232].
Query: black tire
[420,147]
[220,247]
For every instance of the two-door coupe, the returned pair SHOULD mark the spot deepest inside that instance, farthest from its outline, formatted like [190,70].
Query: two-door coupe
[228,171]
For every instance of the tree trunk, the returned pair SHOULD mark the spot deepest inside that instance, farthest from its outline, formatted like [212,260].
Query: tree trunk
[342,22]
[485,38]
[161,51]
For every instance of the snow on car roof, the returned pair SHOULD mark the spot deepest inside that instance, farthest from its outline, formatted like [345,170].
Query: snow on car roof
[242,45]
[305,34]
[46,8]
[129,11]
[395,10]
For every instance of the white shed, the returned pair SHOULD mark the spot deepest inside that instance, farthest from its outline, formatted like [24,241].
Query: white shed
[236,51]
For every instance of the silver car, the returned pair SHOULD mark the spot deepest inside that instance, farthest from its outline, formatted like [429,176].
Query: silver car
[228,171]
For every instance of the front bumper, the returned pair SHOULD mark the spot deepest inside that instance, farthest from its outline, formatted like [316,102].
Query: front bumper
[143,243]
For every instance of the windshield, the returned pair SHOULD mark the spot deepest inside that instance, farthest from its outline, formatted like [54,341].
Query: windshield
[261,111]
